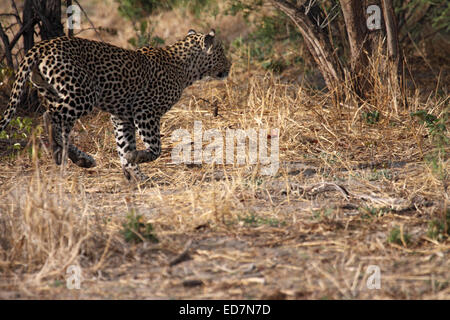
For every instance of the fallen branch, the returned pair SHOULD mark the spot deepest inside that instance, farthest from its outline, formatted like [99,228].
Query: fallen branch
[183,256]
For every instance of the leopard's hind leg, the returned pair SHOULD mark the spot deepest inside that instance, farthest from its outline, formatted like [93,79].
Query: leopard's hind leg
[54,130]
[59,120]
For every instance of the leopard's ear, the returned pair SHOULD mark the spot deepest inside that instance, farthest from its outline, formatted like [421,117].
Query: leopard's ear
[191,32]
[209,41]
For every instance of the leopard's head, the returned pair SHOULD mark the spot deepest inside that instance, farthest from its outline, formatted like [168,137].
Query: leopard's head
[210,59]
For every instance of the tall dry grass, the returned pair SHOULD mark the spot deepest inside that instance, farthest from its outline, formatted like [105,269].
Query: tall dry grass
[49,221]
[44,229]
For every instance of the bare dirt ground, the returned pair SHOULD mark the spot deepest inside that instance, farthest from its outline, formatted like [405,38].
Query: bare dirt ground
[348,194]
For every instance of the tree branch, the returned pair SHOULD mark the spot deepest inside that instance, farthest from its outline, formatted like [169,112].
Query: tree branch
[7,47]
[89,20]
[316,41]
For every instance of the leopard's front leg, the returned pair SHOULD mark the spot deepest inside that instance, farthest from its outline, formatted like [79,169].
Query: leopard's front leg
[148,128]
[125,134]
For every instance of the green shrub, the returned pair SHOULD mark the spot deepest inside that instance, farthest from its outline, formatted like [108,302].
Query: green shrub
[395,236]
[20,129]
[144,36]
[134,229]
[371,117]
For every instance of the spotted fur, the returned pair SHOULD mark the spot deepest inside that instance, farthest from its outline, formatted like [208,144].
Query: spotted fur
[137,88]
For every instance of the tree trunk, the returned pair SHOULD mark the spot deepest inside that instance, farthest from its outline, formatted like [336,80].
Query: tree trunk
[49,13]
[360,46]
[392,34]
[394,51]
[27,17]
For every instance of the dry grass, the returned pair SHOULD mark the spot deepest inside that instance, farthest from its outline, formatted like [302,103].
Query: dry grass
[224,232]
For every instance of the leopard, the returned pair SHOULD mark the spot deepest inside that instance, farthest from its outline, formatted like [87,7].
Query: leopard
[73,76]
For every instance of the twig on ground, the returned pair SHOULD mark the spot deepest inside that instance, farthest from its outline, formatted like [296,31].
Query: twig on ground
[183,256]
